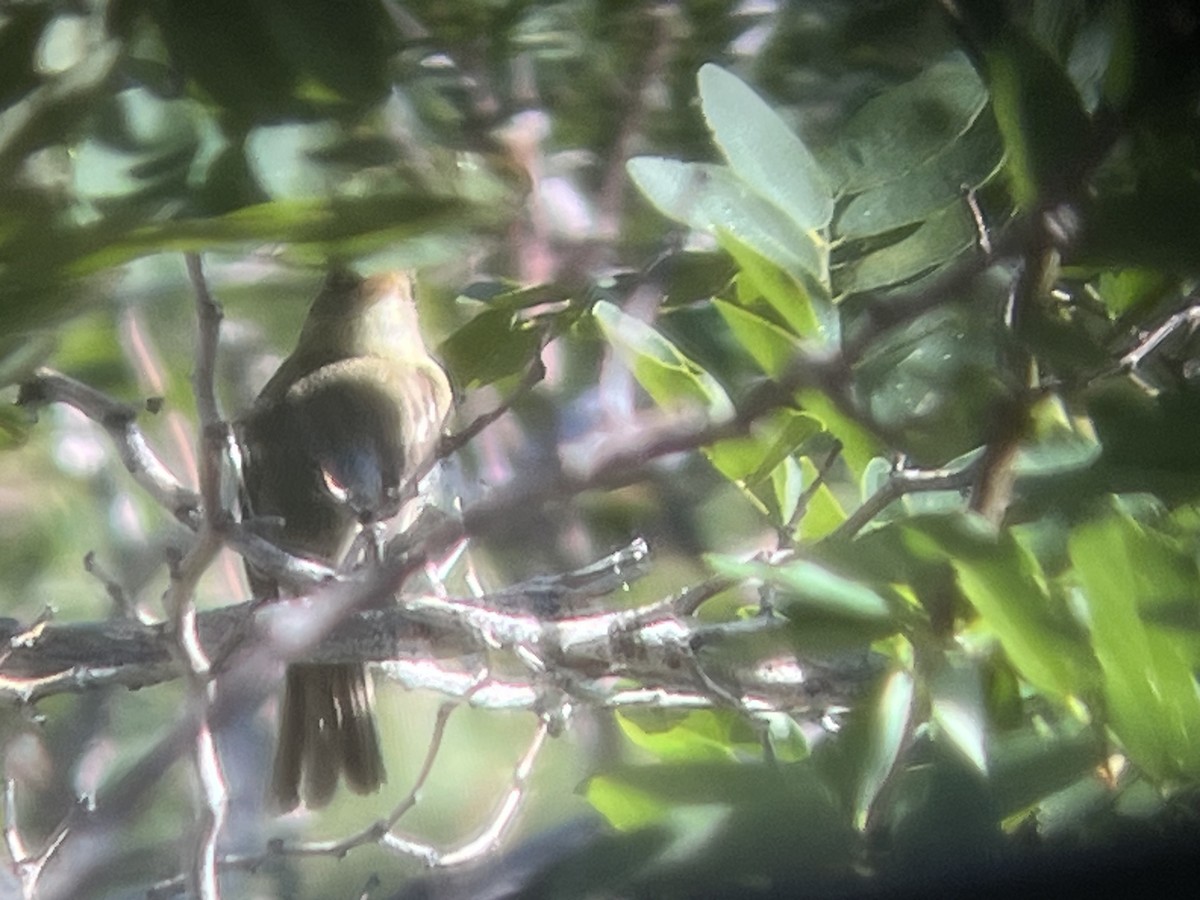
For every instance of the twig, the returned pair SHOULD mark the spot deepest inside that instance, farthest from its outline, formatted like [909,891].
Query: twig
[29,867]
[900,483]
[253,676]
[809,492]
[122,605]
[428,643]
[181,596]
[13,841]
[149,369]
[452,443]
[372,834]
[491,835]
[1189,317]
[119,420]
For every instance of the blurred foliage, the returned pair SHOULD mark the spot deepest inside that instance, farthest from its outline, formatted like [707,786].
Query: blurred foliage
[985,213]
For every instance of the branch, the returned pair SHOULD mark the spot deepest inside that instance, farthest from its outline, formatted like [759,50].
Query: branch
[181,595]
[119,420]
[381,833]
[902,482]
[578,657]
[439,644]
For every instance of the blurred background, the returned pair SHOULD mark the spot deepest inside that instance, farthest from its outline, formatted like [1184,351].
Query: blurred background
[484,144]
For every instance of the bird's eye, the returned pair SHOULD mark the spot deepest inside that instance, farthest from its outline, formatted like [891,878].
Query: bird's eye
[336,489]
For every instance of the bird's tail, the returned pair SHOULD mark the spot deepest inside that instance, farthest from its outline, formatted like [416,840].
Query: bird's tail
[327,729]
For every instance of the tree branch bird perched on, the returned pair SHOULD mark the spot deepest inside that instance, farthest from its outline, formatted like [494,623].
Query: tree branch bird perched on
[327,449]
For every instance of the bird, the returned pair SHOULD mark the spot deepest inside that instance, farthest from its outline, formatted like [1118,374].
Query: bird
[328,448]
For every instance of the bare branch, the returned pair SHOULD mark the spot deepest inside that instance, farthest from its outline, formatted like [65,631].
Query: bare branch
[647,644]
[122,605]
[118,419]
[429,642]
[1188,317]
[494,832]
[901,482]
[181,595]
[380,832]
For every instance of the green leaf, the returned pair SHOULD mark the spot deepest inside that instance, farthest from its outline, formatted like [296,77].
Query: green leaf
[690,276]
[14,427]
[1152,698]
[859,446]
[808,587]
[801,303]
[492,346]
[969,162]
[1005,585]
[762,465]
[762,151]
[721,812]
[1032,763]
[625,807]
[1128,289]
[712,199]
[1059,443]
[1045,128]
[770,346]
[888,732]
[902,129]
[345,224]
[956,708]
[696,736]
[933,383]
[667,375]
[861,761]
[772,439]
[824,512]
[946,233]
[507,296]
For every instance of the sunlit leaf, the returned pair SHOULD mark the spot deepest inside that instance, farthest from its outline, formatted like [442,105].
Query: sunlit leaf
[1007,588]
[802,304]
[824,513]
[762,463]
[864,757]
[762,151]
[807,586]
[859,446]
[712,199]
[1153,701]
[956,707]
[667,375]
[697,736]
[1126,289]
[625,807]
[771,347]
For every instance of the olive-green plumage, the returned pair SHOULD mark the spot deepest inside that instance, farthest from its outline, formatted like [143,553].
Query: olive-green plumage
[328,447]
